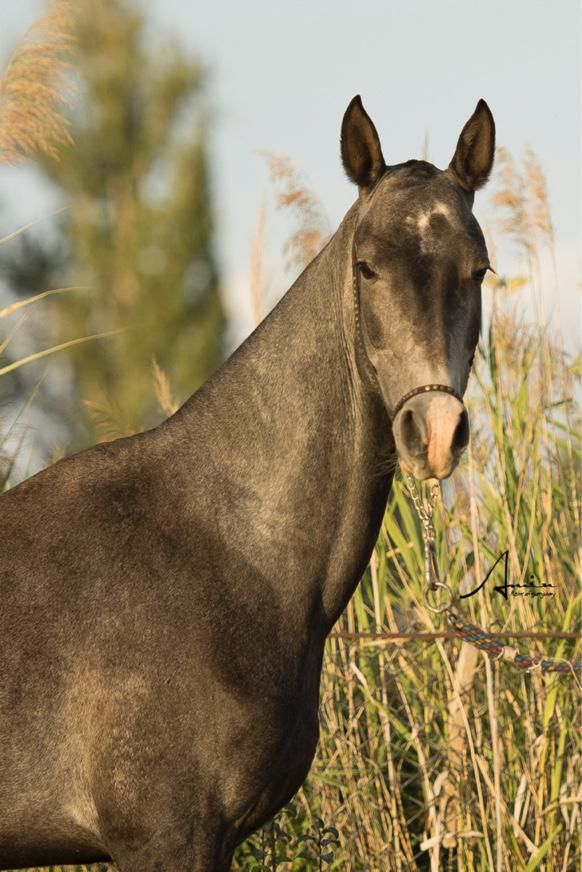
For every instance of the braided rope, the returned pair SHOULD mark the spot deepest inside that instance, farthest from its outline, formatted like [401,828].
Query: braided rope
[494,648]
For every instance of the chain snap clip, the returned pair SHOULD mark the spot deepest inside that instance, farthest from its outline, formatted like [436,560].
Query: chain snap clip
[433,585]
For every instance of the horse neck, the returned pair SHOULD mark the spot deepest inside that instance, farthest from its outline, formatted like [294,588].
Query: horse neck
[293,440]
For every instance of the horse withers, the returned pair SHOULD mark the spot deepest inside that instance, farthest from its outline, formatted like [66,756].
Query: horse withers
[165,598]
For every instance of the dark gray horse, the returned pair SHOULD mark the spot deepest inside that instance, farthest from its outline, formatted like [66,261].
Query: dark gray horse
[165,598]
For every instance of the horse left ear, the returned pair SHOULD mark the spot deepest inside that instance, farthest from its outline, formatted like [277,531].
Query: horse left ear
[473,158]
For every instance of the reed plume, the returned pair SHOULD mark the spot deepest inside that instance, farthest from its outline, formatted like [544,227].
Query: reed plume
[312,230]
[521,202]
[538,201]
[511,199]
[162,390]
[34,90]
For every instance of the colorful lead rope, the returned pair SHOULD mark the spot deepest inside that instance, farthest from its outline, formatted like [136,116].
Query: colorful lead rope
[495,649]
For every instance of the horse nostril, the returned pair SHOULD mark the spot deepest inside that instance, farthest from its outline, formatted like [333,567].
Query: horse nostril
[413,431]
[461,434]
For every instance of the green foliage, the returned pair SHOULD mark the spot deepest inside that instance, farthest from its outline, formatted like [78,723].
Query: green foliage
[138,228]
[291,841]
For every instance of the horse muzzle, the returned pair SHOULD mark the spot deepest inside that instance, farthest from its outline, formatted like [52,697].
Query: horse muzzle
[431,431]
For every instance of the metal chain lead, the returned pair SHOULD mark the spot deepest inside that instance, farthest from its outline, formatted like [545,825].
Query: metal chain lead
[425,511]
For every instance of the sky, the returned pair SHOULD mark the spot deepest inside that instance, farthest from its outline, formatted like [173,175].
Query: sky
[280,75]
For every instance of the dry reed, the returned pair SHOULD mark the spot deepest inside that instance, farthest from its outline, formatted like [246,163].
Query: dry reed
[511,201]
[162,390]
[34,88]
[297,198]
[109,419]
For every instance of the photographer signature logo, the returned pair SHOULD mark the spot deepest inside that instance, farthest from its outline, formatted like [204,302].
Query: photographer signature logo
[530,588]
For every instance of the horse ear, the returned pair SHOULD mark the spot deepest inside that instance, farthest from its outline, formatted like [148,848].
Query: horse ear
[473,158]
[361,152]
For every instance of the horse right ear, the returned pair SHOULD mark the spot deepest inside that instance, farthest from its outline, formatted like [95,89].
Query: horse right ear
[361,152]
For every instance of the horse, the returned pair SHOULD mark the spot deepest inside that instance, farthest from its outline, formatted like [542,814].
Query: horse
[166,597]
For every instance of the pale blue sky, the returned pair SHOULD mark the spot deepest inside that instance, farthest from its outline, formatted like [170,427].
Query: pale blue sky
[281,75]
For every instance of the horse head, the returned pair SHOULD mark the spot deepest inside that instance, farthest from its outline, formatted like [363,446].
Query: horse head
[419,258]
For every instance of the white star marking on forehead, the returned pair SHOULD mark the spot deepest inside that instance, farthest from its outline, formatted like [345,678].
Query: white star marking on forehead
[423,220]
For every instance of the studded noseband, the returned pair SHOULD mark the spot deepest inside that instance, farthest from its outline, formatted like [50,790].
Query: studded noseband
[424,389]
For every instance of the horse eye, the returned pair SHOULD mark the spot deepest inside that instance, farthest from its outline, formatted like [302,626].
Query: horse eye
[366,270]
[480,274]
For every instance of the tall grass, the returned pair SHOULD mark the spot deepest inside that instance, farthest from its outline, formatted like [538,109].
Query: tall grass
[477,764]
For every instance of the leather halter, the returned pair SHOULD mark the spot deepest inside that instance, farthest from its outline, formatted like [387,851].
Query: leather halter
[422,389]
